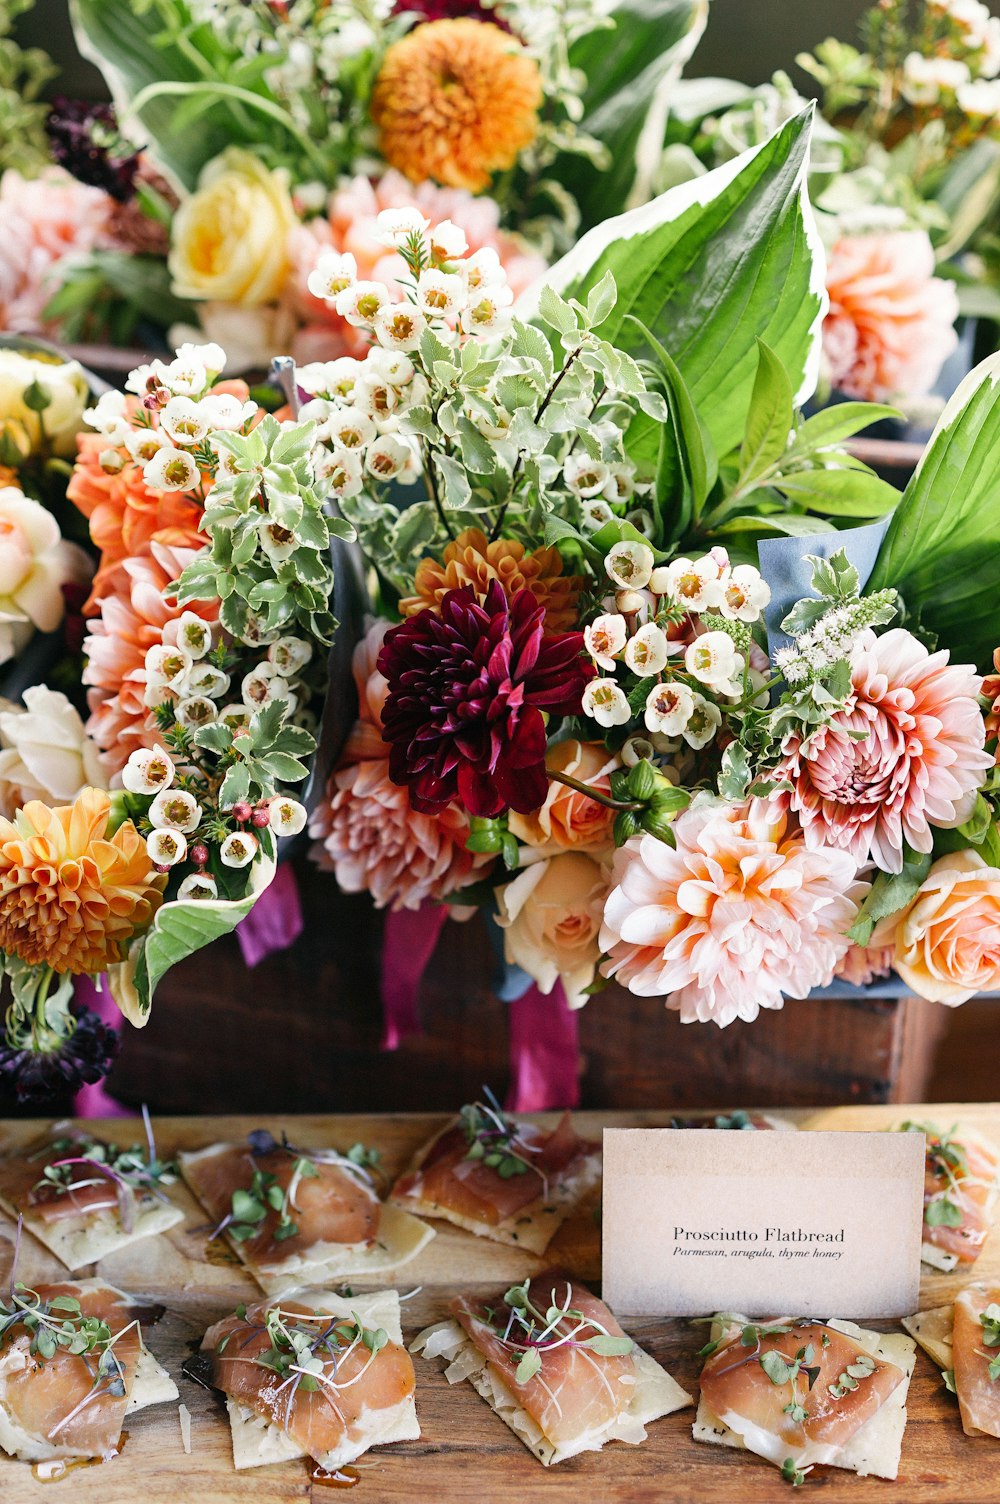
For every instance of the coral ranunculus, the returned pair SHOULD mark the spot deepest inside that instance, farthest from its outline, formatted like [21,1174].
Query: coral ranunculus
[472,560]
[456,101]
[71,895]
[738,914]
[468,693]
[917,763]
[947,943]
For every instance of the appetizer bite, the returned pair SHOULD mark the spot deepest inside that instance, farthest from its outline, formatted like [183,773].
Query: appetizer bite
[964,1341]
[323,1377]
[804,1392]
[300,1217]
[73,1365]
[740,1121]
[960,1194]
[501,1177]
[84,1198]
[551,1360]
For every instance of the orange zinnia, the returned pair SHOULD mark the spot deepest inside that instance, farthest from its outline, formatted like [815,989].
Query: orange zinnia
[472,560]
[71,896]
[456,101]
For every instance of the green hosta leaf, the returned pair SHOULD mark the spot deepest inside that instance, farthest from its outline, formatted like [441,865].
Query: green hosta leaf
[769,419]
[178,929]
[942,549]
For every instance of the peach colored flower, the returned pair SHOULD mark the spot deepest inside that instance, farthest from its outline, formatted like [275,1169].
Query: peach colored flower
[472,560]
[947,943]
[865,963]
[551,914]
[45,752]
[918,764]
[739,915]
[568,820]
[890,327]
[991,691]
[129,624]
[35,563]
[349,227]
[456,101]
[46,220]
[71,894]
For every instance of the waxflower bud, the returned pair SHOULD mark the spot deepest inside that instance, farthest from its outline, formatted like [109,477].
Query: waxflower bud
[636,749]
[241,811]
[199,854]
[111,461]
[261,817]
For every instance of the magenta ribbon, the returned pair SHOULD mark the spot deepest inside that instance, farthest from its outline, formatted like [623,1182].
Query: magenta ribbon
[275,922]
[408,942]
[544,1048]
[92,1101]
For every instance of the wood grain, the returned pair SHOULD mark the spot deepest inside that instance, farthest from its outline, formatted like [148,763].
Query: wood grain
[465,1453]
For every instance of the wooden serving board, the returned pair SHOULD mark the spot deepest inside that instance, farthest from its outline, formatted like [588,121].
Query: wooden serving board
[465,1453]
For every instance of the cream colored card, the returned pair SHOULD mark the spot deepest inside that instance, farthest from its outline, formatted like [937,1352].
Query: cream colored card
[810,1224]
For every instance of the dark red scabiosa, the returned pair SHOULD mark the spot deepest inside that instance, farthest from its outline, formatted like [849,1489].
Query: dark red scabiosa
[85,139]
[70,1061]
[468,693]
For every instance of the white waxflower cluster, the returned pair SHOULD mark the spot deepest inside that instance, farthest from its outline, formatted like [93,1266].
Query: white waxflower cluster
[632,634]
[356,406]
[180,673]
[598,485]
[968,74]
[178,413]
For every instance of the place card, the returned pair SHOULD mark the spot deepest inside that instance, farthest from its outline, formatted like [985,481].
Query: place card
[766,1224]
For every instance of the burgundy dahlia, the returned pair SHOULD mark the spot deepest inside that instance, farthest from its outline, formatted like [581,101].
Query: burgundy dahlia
[448,10]
[468,693]
[86,141]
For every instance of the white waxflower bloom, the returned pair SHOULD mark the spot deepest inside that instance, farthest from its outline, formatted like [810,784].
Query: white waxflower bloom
[694,584]
[441,295]
[637,749]
[980,99]
[194,635]
[225,411]
[211,357]
[620,485]
[289,655]
[206,679]
[713,660]
[448,241]
[595,513]
[376,396]
[744,593]
[659,580]
[398,228]
[173,809]
[166,847]
[199,886]
[142,379]
[111,461]
[236,717]
[398,326]
[341,469]
[703,723]
[279,543]
[148,771]
[171,469]
[196,710]
[167,667]
[142,443]
[340,377]
[488,311]
[360,303]
[926,78]
[484,269]
[584,476]
[386,457]
[646,653]
[109,416]
[238,849]
[263,685]
[605,702]
[630,565]
[668,708]
[288,816]
[605,638]
[393,366]
[332,275]
[185,422]
[186,376]
[350,428]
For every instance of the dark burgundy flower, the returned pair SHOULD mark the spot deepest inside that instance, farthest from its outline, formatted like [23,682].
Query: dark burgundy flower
[85,139]
[74,621]
[468,692]
[448,10]
[80,1058]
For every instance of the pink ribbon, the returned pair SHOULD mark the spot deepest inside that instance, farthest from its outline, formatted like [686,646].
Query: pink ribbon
[543,1052]
[92,1101]
[408,942]
[275,921]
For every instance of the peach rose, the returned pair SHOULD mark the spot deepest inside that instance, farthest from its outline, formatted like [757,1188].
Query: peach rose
[569,821]
[551,916]
[947,943]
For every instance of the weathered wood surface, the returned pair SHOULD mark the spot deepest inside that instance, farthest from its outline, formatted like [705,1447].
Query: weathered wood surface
[465,1453]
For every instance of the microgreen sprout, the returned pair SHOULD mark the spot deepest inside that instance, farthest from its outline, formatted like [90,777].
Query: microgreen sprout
[989,1320]
[250,1205]
[79,1162]
[528,1332]
[495,1138]
[948,1165]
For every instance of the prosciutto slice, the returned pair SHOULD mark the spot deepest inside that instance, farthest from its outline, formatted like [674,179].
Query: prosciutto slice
[575,1392]
[971,1190]
[447,1177]
[737,1387]
[331,1206]
[354,1390]
[978,1394]
[39,1394]
[23,1186]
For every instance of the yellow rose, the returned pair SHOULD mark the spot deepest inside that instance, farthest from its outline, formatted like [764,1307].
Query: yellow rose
[947,943]
[229,239]
[569,820]
[551,914]
[65,386]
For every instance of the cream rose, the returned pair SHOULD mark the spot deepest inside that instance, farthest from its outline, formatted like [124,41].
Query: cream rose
[551,914]
[46,753]
[229,239]
[60,421]
[947,943]
[35,563]
[568,820]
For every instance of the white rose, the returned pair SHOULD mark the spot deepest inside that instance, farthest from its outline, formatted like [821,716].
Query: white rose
[35,563]
[46,753]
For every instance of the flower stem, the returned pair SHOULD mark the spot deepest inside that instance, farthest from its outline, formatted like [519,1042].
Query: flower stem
[589,793]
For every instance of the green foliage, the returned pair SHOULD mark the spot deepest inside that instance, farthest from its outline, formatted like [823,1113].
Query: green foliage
[24,72]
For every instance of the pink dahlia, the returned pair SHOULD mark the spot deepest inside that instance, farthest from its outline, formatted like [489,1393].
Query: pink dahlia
[863,964]
[469,688]
[740,914]
[45,221]
[905,754]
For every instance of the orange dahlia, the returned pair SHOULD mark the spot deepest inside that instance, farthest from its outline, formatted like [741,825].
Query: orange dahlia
[456,101]
[472,560]
[71,895]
